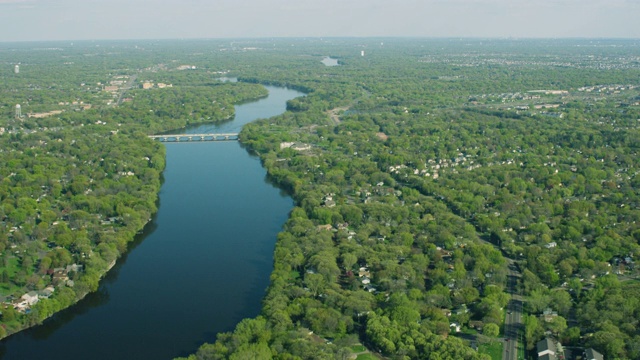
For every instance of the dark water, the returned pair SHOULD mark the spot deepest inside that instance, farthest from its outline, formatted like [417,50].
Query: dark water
[201,266]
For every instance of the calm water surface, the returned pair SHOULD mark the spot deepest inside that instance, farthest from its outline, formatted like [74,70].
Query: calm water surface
[328,61]
[201,266]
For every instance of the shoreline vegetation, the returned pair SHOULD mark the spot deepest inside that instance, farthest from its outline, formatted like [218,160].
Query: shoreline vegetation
[446,176]
[469,180]
[102,179]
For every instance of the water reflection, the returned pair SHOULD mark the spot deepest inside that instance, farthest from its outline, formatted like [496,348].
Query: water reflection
[204,263]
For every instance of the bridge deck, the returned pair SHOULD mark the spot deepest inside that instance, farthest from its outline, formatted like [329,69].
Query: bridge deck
[196,137]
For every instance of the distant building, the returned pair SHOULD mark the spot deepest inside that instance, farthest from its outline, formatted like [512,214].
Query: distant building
[147,85]
[18,111]
[16,69]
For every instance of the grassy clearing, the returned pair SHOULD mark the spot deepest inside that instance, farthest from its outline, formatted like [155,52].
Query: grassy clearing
[366,357]
[13,266]
[358,348]
[493,349]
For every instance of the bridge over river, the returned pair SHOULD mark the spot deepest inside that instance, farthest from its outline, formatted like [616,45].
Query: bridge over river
[195,137]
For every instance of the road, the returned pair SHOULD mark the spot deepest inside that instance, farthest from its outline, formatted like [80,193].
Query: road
[513,321]
[128,86]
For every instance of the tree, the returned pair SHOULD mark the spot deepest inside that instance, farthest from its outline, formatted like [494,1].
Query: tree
[315,283]
[348,260]
[491,330]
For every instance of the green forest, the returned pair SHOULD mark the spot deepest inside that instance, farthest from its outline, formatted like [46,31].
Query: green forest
[421,173]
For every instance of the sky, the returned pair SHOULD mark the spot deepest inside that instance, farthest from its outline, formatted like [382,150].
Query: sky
[35,20]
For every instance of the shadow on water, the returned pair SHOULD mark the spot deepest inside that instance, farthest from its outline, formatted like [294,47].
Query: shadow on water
[92,300]
[201,273]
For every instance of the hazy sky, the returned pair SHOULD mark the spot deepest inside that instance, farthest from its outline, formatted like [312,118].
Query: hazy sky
[168,19]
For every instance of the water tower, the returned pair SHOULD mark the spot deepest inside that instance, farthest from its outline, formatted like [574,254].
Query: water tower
[16,69]
[18,111]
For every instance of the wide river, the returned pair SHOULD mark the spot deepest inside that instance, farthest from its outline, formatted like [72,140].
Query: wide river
[201,265]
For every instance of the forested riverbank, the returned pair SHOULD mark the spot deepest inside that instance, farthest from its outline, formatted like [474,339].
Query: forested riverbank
[447,161]
[79,176]
[453,159]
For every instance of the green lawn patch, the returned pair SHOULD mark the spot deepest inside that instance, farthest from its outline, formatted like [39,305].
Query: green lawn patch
[293,275]
[469,331]
[366,357]
[13,266]
[493,349]
[358,348]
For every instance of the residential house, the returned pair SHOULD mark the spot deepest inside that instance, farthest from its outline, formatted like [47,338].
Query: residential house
[461,310]
[26,301]
[326,227]
[546,349]
[591,354]
[60,276]
[548,315]
[46,292]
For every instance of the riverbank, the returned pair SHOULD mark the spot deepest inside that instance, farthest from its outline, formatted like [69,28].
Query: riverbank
[117,231]
[196,251]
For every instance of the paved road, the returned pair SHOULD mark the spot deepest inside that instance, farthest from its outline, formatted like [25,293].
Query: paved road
[127,86]
[513,321]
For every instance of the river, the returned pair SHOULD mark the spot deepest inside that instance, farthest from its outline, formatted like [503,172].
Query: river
[201,265]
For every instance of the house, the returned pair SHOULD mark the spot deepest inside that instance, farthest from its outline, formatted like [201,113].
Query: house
[60,275]
[326,227]
[370,288]
[548,315]
[546,349]
[551,245]
[461,310]
[365,280]
[590,354]
[295,146]
[24,303]
[74,267]
[456,327]
[364,272]
[46,292]
[31,298]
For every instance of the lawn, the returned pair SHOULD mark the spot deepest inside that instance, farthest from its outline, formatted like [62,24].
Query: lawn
[12,267]
[358,348]
[366,357]
[293,275]
[493,349]
[469,331]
